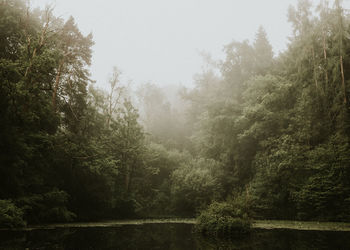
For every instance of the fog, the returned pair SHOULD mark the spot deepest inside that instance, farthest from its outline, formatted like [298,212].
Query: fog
[161,41]
[226,112]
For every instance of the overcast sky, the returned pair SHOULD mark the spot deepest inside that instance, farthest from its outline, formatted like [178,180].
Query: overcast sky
[160,41]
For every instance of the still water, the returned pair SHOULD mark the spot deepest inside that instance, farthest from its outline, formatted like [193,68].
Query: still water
[167,236]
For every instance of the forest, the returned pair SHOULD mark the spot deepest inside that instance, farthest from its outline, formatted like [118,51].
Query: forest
[265,134]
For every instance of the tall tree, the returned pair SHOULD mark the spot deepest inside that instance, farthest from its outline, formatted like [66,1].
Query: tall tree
[75,55]
[263,52]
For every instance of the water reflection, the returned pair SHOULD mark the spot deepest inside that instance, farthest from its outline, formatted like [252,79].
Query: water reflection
[167,236]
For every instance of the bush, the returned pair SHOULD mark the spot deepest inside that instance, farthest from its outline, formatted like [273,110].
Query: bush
[223,218]
[194,185]
[46,208]
[10,215]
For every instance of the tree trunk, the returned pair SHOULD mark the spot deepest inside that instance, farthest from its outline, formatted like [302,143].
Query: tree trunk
[314,66]
[342,78]
[127,179]
[325,58]
[341,28]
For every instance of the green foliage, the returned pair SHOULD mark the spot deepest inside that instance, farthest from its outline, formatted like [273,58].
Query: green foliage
[223,219]
[279,127]
[154,184]
[10,215]
[270,133]
[194,185]
[325,194]
[59,159]
[47,207]
[279,171]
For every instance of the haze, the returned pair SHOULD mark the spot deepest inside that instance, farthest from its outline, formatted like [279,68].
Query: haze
[160,41]
[256,139]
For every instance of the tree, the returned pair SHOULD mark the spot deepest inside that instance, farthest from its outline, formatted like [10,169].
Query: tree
[128,136]
[75,55]
[263,52]
[114,95]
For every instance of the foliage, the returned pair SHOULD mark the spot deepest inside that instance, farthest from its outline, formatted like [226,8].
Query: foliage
[62,155]
[155,184]
[10,215]
[268,134]
[194,184]
[48,207]
[223,219]
[279,127]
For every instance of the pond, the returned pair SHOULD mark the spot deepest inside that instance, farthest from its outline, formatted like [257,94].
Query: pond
[167,236]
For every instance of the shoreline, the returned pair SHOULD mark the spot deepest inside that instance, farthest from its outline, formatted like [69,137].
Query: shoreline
[302,225]
[257,224]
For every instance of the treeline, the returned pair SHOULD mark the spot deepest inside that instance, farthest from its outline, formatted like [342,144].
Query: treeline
[268,134]
[69,151]
[278,127]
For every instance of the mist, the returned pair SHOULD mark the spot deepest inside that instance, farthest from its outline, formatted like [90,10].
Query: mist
[195,125]
[161,41]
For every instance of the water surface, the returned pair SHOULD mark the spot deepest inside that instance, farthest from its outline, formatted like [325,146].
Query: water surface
[168,236]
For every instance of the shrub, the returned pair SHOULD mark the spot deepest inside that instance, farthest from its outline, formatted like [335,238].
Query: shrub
[223,218]
[194,185]
[10,215]
[47,207]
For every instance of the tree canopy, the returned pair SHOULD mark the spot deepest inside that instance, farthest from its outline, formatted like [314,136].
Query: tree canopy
[267,133]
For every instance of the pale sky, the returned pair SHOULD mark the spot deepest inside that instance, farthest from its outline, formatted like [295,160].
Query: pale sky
[160,41]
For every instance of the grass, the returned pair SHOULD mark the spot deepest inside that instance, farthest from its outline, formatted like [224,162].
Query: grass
[301,225]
